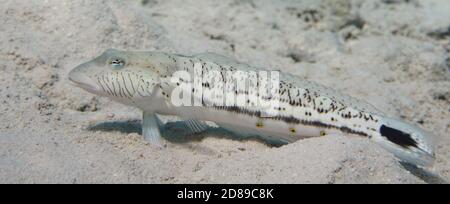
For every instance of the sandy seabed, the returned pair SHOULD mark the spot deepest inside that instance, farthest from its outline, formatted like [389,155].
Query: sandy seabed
[391,53]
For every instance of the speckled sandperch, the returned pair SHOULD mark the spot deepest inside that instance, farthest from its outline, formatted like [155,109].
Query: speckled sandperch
[305,109]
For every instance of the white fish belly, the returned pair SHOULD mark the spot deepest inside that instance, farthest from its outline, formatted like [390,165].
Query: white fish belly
[253,126]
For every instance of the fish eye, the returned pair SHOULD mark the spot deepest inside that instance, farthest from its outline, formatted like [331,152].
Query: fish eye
[116,63]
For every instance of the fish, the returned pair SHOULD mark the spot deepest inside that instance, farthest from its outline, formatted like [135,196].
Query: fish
[243,99]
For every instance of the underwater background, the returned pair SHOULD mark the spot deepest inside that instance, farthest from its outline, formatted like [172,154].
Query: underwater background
[391,53]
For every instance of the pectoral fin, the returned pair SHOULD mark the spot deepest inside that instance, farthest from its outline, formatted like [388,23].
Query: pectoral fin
[150,129]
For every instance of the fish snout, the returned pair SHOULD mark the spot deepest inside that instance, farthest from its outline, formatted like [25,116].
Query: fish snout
[81,79]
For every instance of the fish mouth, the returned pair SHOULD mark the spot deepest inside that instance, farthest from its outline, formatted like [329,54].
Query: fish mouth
[83,81]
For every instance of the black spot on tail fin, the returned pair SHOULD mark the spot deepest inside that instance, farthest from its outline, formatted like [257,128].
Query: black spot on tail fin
[398,137]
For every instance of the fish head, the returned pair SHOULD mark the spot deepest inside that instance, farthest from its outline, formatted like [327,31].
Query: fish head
[120,75]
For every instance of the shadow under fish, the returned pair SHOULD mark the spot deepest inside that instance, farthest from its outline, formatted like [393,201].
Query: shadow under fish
[424,174]
[178,132]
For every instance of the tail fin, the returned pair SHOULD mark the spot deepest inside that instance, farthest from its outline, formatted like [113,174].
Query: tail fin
[407,142]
